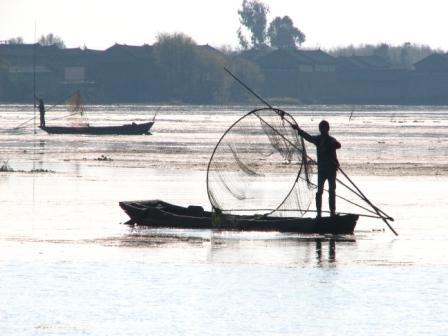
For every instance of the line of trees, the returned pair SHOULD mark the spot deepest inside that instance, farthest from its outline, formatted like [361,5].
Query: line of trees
[193,74]
[45,40]
[51,39]
[283,34]
[400,57]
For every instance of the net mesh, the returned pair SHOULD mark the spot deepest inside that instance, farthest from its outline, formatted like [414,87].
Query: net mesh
[260,166]
[75,107]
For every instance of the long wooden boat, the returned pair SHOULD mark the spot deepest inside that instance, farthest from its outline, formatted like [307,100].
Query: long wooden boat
[128,129]
[157,213]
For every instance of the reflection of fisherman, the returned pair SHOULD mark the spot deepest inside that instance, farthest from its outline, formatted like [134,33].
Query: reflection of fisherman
[41,107]
[327,164]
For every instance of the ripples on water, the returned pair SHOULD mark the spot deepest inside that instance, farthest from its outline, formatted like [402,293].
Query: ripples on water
[70,268]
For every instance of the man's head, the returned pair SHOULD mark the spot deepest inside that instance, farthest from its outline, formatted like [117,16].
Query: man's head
[324,127]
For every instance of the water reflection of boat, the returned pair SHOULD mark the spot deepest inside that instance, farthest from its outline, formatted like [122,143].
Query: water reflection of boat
[156,213]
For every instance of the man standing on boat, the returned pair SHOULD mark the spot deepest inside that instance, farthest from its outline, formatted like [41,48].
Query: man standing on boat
[327,164]
[41,107]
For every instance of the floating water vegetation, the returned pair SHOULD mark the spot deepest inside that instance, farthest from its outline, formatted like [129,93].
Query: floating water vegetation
[103,158]
[40,170]
[7,168]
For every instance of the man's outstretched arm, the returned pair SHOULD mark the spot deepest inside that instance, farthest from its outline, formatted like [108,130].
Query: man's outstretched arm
[303,134]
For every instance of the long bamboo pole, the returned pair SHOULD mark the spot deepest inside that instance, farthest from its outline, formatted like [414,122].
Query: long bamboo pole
[34,81]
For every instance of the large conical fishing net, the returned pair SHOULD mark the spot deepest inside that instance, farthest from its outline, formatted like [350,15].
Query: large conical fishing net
[75,107]
[260,166]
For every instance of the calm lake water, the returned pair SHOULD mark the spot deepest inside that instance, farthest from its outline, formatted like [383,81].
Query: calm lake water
[69,266]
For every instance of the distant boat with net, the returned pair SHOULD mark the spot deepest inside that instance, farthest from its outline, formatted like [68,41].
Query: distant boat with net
[80,125]
[127,129]
[259,178]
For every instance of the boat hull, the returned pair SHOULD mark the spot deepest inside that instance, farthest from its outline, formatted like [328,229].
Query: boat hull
[156,213]
[129,129]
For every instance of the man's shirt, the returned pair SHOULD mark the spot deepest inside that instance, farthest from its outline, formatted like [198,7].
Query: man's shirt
[326,145]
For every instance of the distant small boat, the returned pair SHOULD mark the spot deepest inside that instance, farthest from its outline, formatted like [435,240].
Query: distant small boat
[156,213]
[76,109]
[128,129]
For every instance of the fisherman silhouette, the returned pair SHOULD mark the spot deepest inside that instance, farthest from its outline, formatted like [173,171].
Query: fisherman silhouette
[41,107]
[327,164]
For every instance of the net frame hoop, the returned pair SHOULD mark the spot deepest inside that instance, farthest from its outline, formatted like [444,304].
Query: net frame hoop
[280,113]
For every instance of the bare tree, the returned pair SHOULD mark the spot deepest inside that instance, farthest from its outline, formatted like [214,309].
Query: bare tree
[51,39]
[15,40]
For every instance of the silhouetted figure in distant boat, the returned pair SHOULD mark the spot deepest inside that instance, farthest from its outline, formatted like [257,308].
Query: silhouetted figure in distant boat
[327,164]
[41,107]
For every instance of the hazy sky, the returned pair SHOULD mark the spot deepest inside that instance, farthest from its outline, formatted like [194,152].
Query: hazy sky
[99,24]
